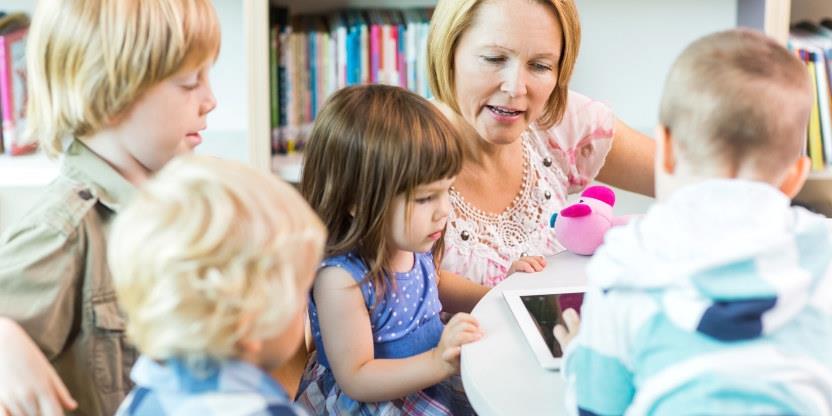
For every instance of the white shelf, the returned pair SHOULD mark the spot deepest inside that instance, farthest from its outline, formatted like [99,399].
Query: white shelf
[288,167]
[28,171]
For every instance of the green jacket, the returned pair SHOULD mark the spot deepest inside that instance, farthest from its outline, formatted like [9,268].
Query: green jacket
[54,280]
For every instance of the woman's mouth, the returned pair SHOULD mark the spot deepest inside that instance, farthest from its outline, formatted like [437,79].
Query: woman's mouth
[504,113]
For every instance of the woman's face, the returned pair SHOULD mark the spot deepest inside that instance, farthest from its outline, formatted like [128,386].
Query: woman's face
[506,66]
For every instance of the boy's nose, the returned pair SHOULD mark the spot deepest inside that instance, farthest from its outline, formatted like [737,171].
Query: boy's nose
[209,103]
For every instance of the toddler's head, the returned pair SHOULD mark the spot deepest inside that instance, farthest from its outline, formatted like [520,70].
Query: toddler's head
[377,169]
[214,259]
[736,105]
[90,62]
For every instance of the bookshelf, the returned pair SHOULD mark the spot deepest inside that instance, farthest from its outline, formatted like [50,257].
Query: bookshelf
[599,72]
[817,192]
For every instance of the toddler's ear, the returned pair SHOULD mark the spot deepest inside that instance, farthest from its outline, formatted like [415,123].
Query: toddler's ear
[795,177]
[249,347]
[665,158]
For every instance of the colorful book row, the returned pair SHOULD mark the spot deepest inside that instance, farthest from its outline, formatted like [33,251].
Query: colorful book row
[813,44]
[313,56]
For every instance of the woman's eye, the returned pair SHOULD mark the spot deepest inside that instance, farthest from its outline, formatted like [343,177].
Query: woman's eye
[424,200]
[541,67]
[494,59]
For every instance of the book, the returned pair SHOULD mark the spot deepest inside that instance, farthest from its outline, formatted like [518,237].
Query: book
[13,95]
[815,141]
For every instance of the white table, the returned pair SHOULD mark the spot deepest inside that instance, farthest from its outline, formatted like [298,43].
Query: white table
[500,373]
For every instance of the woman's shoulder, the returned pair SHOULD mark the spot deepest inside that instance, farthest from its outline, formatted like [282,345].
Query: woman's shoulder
[583,119]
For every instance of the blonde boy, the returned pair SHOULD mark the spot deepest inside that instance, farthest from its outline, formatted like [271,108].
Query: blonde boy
[213,262]
[117,88]
[717,301]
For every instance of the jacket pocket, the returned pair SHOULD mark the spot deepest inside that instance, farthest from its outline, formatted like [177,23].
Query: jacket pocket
[112,356]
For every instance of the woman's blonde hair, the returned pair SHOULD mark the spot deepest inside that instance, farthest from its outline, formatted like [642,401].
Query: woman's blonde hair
[90,60]
[369,145]
[452,18]
[211,252]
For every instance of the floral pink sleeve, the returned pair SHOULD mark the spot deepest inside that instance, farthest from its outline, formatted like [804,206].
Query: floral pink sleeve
[582,139]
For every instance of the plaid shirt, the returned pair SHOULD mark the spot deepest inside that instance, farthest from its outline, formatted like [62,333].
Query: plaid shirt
[222,388]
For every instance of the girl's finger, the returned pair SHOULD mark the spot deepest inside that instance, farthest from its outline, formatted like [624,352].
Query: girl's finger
[451,353]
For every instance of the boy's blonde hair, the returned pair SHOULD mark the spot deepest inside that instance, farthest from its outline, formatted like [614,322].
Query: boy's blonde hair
[90,60]
[452,18]
[370,144]
[209,253]
[737,99]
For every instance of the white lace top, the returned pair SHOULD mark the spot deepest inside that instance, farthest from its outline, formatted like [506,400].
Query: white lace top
[562,159]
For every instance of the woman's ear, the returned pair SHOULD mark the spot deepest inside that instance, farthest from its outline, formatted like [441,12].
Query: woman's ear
[795,177]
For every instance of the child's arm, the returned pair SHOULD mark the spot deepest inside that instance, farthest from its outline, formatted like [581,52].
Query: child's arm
[28,384]
[599,381]
[457,293]
[348,342]
[41,275]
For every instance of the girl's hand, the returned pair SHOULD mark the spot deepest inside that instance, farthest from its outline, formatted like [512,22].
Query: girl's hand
[528,264]
[460,330]
[565,335]
[28,384]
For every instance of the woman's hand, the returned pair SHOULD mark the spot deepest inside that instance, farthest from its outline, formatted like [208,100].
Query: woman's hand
[566,334]
[460,330]
[528,264]
[28,383]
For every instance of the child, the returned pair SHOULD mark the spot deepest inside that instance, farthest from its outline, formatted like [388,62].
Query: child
[212,264]
[717,301]
[377,169]
[117,88]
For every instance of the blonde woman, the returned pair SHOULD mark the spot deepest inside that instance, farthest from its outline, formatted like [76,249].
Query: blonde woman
[212,264]
[117,88]
[500,71]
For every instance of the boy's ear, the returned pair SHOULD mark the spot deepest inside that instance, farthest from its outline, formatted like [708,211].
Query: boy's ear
[665,158]
[249,347]
[795,177]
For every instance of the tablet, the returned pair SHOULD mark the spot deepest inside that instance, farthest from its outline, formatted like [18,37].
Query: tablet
[537,311]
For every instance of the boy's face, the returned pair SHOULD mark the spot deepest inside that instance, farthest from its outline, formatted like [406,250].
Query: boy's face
[166,121]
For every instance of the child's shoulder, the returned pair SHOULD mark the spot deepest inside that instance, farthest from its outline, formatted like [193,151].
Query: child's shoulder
[59,210]
[349,262]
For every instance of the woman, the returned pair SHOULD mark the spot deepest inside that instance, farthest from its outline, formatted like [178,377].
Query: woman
[500,72]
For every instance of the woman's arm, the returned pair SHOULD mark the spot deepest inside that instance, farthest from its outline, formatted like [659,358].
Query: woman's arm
[630,162]
[457,293]
[348,341]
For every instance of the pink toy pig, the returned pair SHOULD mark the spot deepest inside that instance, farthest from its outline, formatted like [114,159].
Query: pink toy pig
[580,227]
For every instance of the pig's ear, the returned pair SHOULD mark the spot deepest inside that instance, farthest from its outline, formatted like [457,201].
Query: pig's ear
[577,210]
[601,193]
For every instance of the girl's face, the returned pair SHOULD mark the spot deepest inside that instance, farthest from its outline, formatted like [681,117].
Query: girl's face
[429,210]
[506,67]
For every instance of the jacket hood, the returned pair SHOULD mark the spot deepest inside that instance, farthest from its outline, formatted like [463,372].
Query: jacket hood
[729,258]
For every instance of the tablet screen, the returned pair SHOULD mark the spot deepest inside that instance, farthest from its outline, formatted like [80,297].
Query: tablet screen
[545,310]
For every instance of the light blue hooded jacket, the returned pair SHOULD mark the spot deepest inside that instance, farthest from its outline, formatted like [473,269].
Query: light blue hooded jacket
[718,301]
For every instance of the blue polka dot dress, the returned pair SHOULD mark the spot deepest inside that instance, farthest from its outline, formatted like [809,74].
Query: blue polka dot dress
[405,323]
